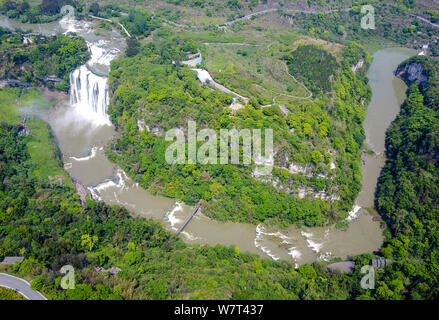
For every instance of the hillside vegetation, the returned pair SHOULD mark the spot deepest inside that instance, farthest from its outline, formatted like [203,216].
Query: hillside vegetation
[152,88]
[408,193]
[8,294]
[41,58]
[47,224]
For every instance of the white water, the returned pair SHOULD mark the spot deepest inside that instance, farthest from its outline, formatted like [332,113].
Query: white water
[89,95]
[171,218]
[89,89]
[102,53]
[91,156]
[354,213]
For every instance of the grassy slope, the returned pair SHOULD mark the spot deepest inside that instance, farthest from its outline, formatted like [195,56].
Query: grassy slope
[44,155]
[8,294]
[253,67]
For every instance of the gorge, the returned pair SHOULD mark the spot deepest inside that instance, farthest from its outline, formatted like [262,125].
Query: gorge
[83,130]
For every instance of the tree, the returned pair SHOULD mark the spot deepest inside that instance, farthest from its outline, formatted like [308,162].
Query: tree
[94,8]
[9,5]
[23,7]
[40,69]
[38,283]
[51,7]
[87,240]
[132,47]
[316,156]
[340,30]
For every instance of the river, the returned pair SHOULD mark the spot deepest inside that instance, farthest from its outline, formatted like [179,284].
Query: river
[82,130]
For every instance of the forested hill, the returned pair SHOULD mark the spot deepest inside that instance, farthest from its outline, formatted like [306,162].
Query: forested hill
[151,94]
[49,227]
[39,60]
[47,224]
[408,188]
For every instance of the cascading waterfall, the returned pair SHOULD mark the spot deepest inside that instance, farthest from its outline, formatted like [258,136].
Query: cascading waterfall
[88,90]
[89,94]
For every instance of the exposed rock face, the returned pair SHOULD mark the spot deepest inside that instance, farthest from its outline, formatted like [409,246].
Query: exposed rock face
[11,83]
[141,125]
[412,72]
[358,65]
[23,129]
[52,78]
[81,190]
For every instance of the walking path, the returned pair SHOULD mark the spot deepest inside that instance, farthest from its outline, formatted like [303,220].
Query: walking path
[111,21]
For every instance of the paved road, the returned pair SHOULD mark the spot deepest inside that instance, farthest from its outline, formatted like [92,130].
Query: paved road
[21,286]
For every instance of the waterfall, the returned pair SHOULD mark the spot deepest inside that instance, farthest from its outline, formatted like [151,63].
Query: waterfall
[89,94]
[88,83]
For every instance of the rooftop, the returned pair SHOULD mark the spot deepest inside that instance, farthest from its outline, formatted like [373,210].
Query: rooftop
[12,260]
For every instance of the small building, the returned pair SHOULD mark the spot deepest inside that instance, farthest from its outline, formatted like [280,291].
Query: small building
[380,263]
[27,40]
[424,50]
[11,260]
[112,270]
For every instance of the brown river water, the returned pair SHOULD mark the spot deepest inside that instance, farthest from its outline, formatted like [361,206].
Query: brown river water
[82,131]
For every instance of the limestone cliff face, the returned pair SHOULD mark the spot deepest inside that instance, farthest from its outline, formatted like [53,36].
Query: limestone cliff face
[424,71]
[358,65]
[412,72]
[11,83]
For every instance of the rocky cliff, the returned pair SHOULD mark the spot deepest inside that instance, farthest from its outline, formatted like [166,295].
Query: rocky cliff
[412,72]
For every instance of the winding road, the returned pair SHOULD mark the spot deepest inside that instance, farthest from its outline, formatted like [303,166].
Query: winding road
[21,286]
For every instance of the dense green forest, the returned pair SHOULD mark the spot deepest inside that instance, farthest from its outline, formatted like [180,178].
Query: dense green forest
[408,193]
[47,224]
[37,60]
[32,11]
[139,24]
[149,87]
[314,66]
